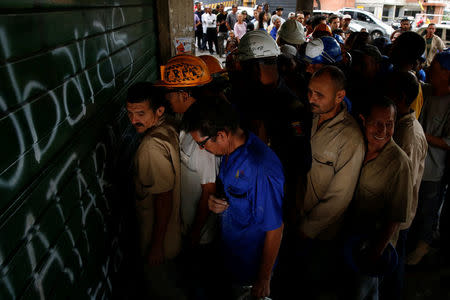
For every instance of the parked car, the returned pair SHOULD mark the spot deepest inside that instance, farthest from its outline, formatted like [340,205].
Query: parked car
[442,31]
[353,26]
[374,26]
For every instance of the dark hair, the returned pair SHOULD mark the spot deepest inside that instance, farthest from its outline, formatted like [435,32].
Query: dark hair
[377,100]
[261,19]
[399,84]
[431,24]
[317,20]
[335,74]
[209,116]
[306,13]
[407,48]
[338,31]
[405,20]
[145,91]
[332,17]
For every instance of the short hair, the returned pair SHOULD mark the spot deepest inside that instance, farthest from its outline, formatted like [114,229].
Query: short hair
[145,91]
[431,24]
[316,20]
[332,17]
[210,115]
[402,83]
[407,48]
[335,74]
[380,101]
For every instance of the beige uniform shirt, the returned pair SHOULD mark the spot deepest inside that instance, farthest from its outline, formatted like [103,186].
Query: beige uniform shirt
[157,170]
[338,152]
[410,137]
[383,192]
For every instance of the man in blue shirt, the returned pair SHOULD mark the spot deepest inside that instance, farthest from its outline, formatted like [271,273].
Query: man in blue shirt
[253,180]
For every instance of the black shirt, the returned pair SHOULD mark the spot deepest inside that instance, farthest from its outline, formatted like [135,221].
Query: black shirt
[220,18]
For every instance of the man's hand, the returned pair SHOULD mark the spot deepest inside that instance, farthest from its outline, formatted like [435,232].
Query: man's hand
[217,205]
[156,256]
[261,288]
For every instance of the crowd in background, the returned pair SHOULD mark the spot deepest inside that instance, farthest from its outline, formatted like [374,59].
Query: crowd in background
[313,166]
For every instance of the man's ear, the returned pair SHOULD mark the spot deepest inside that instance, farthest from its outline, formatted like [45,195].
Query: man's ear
[185,96]
[160,111]
[221,134]
[340,96]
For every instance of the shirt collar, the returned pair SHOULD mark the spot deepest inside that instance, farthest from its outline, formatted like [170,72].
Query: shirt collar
[341,116]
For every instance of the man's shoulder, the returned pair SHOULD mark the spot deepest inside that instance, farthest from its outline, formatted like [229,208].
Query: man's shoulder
[160,135]
[349,128]
[261,156]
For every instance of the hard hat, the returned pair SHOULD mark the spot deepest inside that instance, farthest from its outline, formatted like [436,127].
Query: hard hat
[355,245]
[213,64]
[292,32]
[184,70]
[347,17]
[339,38]
[324,50]
[257,44]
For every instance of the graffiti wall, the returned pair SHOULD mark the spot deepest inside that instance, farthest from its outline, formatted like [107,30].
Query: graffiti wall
[66,143]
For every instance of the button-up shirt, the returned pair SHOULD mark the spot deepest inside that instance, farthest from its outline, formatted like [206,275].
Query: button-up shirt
[383,192]
[410,137]
[338,152]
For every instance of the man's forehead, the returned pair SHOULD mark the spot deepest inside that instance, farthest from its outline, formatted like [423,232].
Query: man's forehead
[144,105]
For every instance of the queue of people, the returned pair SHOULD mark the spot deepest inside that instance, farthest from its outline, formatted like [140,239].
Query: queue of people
[314,166]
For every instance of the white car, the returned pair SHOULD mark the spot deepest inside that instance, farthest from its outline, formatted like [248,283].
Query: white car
[374,26]
[353,26]
[442,31]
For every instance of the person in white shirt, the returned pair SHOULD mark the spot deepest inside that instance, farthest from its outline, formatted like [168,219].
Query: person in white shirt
[209,22]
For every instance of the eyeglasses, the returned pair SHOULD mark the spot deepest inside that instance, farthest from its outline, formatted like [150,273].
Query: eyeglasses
[202,143]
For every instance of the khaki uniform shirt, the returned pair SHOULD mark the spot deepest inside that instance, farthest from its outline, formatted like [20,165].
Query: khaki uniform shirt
[383,192]
[338,152]
[157,170]
[410,137]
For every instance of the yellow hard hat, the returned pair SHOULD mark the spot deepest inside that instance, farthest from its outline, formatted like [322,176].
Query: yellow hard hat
[184,70]
[213,64]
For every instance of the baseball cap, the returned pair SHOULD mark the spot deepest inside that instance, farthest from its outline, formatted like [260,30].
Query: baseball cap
[291,14]
[233,6]
[346,17]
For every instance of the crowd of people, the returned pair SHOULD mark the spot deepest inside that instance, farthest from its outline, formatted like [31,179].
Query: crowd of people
[313,166]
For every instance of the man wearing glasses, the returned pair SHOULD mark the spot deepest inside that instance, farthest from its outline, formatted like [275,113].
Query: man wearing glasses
[251,204]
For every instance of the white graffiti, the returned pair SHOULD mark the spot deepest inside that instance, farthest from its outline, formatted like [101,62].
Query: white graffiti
[63,105]
[66,104]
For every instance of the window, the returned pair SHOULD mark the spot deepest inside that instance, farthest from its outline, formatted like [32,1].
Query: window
[438,32]
[351,13]
[363,18]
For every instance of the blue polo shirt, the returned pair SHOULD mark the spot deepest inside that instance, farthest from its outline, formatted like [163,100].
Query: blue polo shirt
[253,180]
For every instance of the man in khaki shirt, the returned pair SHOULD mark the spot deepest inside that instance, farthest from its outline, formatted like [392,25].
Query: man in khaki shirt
[338,150]
[157,184]
[402,88]
[383,193]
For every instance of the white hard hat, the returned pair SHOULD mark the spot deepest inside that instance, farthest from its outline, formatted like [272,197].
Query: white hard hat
[257,44]
[292,32]
[346,17]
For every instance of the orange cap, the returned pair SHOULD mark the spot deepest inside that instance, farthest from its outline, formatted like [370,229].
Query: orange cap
[213,64]
[184,70]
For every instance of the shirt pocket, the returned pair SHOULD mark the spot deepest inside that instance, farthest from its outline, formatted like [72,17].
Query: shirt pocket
[239,200]
[322,172]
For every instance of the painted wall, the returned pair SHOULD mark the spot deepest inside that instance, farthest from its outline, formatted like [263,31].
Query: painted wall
[66,143]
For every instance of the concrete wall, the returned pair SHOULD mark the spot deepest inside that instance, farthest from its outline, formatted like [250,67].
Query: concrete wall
[175,20]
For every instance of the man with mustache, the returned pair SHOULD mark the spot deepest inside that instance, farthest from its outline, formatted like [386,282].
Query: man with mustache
[157,185]
[337,147]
